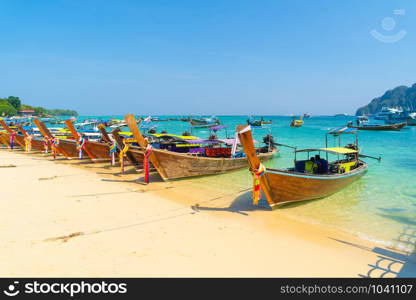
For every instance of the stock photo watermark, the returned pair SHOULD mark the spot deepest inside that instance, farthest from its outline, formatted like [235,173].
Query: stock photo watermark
[70,289]
[389,27]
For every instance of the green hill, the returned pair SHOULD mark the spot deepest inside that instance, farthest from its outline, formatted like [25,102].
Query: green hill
[400,96]
[11,105]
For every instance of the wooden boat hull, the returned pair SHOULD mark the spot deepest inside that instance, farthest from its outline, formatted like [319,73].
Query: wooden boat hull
[37,143]
[138,155]
[4,139]
[286,186]
[179,165]
[392,127]
[99,151]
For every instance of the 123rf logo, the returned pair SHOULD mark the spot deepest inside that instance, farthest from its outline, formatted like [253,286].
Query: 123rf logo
[70,289]
[12,290]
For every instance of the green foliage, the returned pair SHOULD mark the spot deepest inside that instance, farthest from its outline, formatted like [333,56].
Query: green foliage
[14,101]
[40,111]
[62,112]
[400,96]
[6,109]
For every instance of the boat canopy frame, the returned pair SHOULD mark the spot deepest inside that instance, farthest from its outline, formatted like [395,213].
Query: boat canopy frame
[337,149]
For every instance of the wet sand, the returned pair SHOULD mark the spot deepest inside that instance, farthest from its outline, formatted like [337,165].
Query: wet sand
[75,219]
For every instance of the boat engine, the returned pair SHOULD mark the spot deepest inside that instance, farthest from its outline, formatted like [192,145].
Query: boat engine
[269,141]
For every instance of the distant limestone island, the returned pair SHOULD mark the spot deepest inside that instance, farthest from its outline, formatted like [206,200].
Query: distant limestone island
[401,96]
[12,106]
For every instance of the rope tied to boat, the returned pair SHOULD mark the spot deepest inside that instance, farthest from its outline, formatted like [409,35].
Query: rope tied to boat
[146,163]
[122,155]
[12,139]
[257,173]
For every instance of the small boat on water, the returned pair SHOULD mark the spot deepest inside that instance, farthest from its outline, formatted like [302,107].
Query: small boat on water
[258,123]
[309,179]
[407,117]
[204,157]
[379,127]
[296,123]
[212,121]
[386,112]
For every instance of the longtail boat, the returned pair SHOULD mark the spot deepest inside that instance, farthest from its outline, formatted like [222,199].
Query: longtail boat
[67,148]
[21,137]
[135,156]
[5,136]
[391,127]
[205,121]
[35,142]
[258,123]
[309,179]
[96,151]
[198,162]
[297,123]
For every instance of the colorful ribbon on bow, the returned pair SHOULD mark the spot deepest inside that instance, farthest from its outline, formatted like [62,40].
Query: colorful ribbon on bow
[54,145]
[146,164]
[256,183]
[113,151]
[28,143]
[46,144]
[80,146]
[122,154]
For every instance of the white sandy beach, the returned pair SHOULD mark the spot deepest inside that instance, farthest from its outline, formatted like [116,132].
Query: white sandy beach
[63,218]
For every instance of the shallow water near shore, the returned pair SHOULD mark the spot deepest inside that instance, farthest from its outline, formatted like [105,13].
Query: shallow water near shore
[381,206]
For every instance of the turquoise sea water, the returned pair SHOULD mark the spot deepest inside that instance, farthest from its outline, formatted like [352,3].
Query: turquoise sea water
[377,207]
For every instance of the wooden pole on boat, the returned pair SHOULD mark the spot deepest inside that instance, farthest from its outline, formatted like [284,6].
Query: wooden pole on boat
[10,131]
[104,134]
[28,139]
[3,139]
[5,126]
[120,142]
[22,130]
[77,136]
[246,140]
[46,133]
[131,122]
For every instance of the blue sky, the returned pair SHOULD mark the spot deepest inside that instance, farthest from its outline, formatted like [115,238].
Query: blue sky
[204,57]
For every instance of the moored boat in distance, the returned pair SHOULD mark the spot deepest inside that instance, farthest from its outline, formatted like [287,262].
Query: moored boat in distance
[386,112]
[378,127]
[309,179]
[297,123]
[258,123]
[205,121]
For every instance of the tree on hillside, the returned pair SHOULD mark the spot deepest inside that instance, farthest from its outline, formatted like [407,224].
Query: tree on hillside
[15,102]
[6,109]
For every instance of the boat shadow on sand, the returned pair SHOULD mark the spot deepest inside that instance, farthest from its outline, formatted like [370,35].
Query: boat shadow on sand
[241,204]
[398,260]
